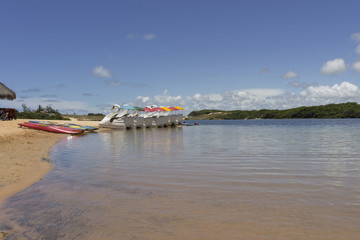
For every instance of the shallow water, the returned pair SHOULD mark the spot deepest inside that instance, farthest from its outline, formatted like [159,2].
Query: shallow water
[255,179]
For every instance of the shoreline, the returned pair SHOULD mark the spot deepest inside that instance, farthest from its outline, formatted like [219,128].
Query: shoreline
[24,155]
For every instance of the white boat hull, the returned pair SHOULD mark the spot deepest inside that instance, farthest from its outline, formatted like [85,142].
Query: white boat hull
[129,122]
[132,119]
[161,121]
[148,122]
[139,122]
[173,120]
[109,121]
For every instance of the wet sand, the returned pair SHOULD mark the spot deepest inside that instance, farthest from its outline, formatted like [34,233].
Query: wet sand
[24,155]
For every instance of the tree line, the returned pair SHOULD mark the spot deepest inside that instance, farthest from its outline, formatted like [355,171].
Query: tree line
[342,110]
[45,113]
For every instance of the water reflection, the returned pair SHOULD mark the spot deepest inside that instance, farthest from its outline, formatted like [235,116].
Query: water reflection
[165,142]
[252,181]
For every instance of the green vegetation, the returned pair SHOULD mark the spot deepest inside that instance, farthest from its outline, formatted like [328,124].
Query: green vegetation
[89,117]
[96,114]
[342,110]
[47,113]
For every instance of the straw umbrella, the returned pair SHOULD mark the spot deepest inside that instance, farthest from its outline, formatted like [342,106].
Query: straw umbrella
[6,93]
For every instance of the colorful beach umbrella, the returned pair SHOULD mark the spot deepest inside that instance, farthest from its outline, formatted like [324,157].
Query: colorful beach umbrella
[139,108]
[159,109]
[148,109]
[127,107]
[166,109]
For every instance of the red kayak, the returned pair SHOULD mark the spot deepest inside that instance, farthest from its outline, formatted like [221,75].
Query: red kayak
[50,128]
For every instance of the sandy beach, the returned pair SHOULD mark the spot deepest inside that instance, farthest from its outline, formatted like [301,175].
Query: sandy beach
[24,155]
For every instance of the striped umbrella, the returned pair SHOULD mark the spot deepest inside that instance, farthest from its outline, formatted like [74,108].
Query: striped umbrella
[148,109]
[159,109]
[166,109]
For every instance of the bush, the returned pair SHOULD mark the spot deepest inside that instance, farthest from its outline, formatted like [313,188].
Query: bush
[43,116]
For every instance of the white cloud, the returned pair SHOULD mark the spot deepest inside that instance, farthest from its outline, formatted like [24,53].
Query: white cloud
[238,99]
[166,99]
[215,97]
[342,91]
[143,99]
[333,67]
[356,37]
[303,84]
[246,99]
[259,98]
[149,36]
[290,74]
[356,66]
[101,72]
[357,49]
[263,93]
[197,96]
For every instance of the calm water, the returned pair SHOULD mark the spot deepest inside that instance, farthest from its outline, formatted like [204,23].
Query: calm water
[255,179]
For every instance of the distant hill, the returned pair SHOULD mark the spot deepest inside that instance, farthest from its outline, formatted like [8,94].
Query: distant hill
[342,110]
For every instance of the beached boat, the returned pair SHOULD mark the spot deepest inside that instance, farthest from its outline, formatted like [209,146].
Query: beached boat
[161,121]
[179,115]
[114,119]
[149,118]
[50,128]
[173,119]
[174,116]
[128,121]
[69,125]
[139,122]
[148,121]
[133,119]
[142,119]
[161,117]
[136,117]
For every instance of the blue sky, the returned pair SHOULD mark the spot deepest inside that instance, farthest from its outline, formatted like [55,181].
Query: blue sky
[83,56]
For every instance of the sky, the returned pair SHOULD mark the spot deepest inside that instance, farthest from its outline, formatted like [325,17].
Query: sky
[84,56]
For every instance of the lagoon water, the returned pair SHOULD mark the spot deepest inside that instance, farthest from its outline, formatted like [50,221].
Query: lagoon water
[246,179]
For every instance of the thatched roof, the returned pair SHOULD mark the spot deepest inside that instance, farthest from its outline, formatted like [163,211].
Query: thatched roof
[6,93]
